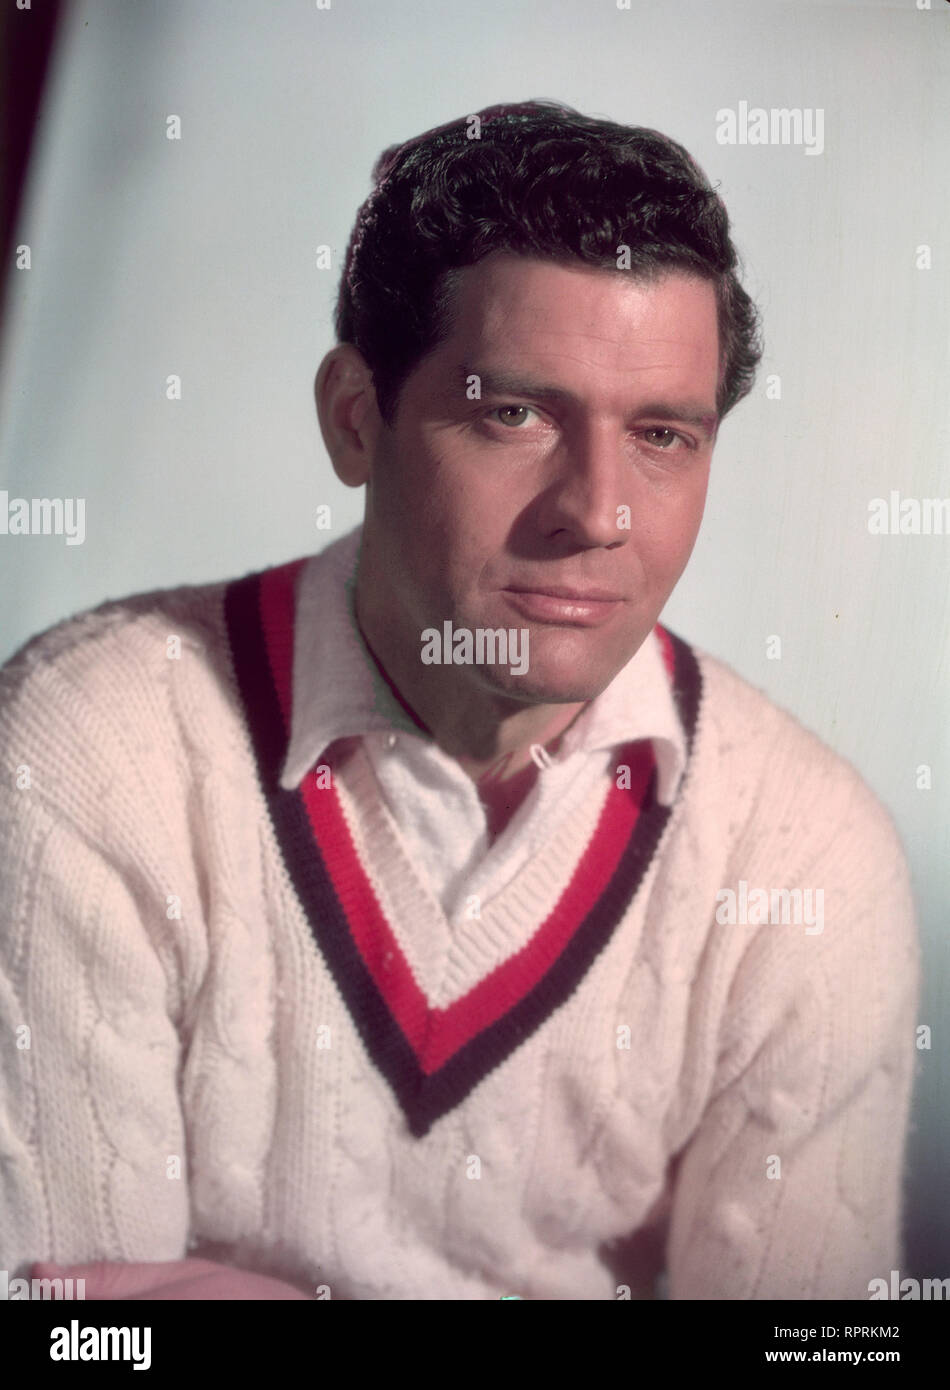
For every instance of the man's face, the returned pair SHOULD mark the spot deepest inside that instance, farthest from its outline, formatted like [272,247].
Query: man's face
[583,467]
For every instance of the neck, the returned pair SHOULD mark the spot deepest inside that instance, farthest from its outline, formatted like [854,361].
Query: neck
[490,735]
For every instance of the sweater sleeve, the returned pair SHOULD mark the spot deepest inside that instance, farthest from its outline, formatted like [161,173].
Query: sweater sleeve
[791,1186]
[92,1137]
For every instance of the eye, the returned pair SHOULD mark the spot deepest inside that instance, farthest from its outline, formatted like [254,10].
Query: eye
[511,415]
[664,439]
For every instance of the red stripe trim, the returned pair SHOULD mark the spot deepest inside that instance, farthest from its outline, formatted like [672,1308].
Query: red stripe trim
[436,1034]
[666,649]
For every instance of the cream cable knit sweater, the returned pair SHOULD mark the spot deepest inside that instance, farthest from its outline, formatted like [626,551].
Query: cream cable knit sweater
[183,1071]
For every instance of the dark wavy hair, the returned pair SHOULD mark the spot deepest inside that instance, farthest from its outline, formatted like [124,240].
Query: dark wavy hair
[536,179]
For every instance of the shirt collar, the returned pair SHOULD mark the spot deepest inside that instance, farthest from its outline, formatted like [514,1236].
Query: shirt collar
[338,691]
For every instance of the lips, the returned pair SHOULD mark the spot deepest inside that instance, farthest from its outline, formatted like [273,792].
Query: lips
[575,595]
[563,607]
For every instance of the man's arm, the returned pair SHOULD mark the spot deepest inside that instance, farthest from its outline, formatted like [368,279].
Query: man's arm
[191,1279]
[792,1185]
[92,1137]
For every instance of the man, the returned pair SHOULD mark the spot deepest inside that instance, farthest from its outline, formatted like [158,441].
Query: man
[422,919]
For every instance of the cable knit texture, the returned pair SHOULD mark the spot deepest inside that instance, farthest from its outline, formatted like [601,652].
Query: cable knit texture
[182,1072]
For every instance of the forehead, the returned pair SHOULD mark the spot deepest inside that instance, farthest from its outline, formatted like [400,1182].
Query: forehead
[582,325]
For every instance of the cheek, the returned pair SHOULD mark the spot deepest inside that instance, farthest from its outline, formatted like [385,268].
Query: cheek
[686,509]
[663,547]
[438,503]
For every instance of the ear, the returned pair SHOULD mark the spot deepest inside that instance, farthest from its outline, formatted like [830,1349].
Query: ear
[348,414]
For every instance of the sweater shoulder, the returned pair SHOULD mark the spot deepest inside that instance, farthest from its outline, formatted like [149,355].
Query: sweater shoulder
[130,694]
[98,651]
[785,770]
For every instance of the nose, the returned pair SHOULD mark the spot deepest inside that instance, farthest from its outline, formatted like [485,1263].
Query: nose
[585,499]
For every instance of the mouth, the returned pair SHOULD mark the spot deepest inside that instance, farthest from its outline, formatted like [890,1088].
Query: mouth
[561,606]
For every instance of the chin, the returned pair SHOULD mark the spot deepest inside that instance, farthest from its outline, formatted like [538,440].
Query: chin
[540,687]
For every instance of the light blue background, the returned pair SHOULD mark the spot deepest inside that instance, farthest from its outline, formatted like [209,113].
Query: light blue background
[198,257]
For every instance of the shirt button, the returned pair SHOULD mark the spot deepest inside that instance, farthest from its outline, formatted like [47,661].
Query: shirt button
[391,741]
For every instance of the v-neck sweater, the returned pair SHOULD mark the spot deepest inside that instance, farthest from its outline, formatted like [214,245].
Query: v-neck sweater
[246,1028]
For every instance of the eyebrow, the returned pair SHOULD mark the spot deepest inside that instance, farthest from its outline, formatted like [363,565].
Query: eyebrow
[503,383]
